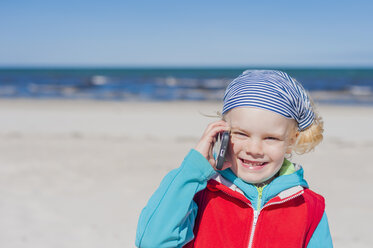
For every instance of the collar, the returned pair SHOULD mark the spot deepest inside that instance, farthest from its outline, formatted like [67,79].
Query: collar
[276,187]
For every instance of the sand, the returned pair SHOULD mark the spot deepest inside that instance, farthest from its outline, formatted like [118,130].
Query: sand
[78,173]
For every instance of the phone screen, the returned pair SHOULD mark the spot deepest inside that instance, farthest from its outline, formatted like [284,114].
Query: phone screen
[223,141]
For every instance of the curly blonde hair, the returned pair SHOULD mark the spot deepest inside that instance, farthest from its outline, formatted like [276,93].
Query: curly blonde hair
[308,139]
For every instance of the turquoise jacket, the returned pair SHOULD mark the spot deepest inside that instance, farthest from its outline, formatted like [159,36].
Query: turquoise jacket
[168,218]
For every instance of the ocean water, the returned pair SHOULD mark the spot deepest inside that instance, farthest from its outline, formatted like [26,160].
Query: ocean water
[341,86]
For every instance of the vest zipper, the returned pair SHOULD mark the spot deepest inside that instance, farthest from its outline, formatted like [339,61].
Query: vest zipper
[256,215]
[255,220]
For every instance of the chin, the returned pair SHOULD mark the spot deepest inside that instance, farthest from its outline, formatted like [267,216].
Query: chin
[255,177]
[253,181]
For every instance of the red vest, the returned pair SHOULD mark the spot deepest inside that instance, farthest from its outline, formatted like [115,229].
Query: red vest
[226,219]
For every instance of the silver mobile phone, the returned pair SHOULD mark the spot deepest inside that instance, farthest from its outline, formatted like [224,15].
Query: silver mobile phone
[223,139]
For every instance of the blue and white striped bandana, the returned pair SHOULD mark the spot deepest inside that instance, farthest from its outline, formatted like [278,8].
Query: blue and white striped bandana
[271,90]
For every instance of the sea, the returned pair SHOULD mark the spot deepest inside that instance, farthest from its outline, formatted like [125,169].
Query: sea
[335,86]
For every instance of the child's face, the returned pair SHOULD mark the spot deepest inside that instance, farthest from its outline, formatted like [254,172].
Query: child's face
[259,141]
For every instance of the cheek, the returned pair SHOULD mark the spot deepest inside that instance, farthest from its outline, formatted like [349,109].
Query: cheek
[277,151]
[289,150]
[232,152]
[235,147]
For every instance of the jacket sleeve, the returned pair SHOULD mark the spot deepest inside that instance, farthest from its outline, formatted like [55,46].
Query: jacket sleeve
[168,218]
[321,237]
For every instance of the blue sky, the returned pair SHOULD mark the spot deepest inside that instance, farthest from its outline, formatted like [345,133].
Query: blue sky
[186,33]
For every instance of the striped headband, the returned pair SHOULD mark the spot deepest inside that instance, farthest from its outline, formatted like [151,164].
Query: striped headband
[272,90]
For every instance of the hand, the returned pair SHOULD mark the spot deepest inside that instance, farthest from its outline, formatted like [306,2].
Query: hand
[208,139]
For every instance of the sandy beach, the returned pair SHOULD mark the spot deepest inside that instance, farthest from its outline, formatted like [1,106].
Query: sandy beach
[77,173]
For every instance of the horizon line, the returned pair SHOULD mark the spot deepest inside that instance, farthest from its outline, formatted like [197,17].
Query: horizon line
[183,67]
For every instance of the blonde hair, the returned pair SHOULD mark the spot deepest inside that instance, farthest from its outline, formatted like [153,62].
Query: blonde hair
[308,139]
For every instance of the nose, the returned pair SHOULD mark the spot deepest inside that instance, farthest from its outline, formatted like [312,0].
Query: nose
[254,148]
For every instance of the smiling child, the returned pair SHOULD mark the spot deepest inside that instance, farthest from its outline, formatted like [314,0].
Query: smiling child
[259,198]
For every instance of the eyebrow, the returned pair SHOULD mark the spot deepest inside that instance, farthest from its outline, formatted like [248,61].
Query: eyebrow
[234,128]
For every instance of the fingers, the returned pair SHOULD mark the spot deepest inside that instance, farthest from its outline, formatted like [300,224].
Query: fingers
[216,124]
[214,128]
[208,139]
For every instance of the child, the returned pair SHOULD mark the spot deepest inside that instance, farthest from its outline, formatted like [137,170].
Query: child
[259,199]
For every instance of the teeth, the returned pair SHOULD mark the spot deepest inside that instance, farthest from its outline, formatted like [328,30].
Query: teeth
[252,163]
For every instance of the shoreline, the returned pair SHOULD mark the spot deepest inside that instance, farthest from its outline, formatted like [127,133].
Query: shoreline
[356,96]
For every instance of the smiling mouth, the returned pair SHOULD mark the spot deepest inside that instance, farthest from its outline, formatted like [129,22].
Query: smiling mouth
[249,163]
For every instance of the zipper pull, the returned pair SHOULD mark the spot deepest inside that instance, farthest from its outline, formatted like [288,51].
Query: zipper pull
[256,215]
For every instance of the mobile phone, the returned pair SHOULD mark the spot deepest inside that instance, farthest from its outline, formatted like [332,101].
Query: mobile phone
[222,149]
